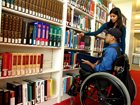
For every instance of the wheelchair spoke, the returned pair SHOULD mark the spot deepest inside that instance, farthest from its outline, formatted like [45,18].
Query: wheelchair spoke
[113,98]
[98,86]
[107,103]
[91,98]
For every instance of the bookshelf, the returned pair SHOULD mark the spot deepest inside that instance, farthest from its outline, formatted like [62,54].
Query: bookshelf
[53,56]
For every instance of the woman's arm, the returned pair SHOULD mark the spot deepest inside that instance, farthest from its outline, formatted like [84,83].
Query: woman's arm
[123,40]
[104,26]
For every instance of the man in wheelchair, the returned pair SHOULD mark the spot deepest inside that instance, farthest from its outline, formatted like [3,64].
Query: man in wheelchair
[97,86]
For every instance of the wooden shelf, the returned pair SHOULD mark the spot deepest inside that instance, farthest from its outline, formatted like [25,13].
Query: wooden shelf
[34,46]
[97,51]
[99,37]
[102,8]
[80,12]
[100,21]
[79,30]
[45,72]
[71,69]
[30,16]
[71,49]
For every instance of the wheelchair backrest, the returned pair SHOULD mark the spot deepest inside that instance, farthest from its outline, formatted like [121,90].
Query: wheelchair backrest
[121,64]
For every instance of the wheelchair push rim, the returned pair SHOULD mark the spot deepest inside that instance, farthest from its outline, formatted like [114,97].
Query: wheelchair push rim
[103,89]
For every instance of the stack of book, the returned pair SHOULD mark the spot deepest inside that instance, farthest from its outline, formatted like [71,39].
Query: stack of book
[73,40]
[103,3]
[66,83]
[84,5]
[101,14]
[15,64]
[15,29]
[48,9]
[27,92]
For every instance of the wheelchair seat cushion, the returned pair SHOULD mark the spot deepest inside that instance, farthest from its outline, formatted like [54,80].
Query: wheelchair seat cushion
[84,74]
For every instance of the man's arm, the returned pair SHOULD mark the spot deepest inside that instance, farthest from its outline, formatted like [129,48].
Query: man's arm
[108,59]
[89,63]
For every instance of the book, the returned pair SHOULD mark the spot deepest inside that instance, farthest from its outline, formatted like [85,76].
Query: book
[38,62]
[13,29]
[30,34]
[1,96]
[12,97]
[17,29]
[6,97]
[20,30]
[51,35]
[9,72]
[14,64]
[46,39]
[42,34]
[6,28]
[19,63]
[25,29]
[34,34]
[86,57]
[1,65]
[30,63]
[10,29]
[23,5]
[18,91]
[2,26]
[23,67]
[4,64]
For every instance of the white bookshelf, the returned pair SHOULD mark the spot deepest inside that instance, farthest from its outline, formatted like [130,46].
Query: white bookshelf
[71,69]
[25,45]
[18,13]
[53,55]
[76,29]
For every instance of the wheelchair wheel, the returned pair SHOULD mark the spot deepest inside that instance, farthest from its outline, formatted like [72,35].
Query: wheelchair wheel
[103,89]
[135,88]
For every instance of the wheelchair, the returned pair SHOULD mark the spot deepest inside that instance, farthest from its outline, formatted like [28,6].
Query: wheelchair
[103,88]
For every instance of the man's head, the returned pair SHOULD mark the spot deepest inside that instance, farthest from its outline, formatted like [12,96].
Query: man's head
[112,35]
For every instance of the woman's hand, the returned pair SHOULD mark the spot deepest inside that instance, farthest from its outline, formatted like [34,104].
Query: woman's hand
[81,34]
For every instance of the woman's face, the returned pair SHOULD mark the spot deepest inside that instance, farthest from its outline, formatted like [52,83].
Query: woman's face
[113,17]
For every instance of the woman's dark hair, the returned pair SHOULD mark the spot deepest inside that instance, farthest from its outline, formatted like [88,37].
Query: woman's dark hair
[110,24]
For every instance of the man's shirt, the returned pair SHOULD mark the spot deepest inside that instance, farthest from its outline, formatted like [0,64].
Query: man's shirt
[108,59]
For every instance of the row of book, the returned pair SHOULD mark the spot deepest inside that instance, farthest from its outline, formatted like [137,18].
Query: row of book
[97,26]
[80,22]
[84,5]
[98,44]
[48,9]
[15,29]
[103,3]
[101,14]
[70,60]
[73,40]
[27,92]
[15,64]
[66,83]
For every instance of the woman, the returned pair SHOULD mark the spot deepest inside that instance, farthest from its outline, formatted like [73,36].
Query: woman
[115,22]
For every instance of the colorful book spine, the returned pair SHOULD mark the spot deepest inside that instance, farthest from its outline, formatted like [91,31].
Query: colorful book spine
[46,40]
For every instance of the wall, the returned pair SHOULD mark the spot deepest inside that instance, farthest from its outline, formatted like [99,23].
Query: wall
[128,8]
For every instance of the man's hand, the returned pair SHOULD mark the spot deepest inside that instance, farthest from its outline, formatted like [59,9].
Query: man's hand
[81,34]
[89,63]
[86,61]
